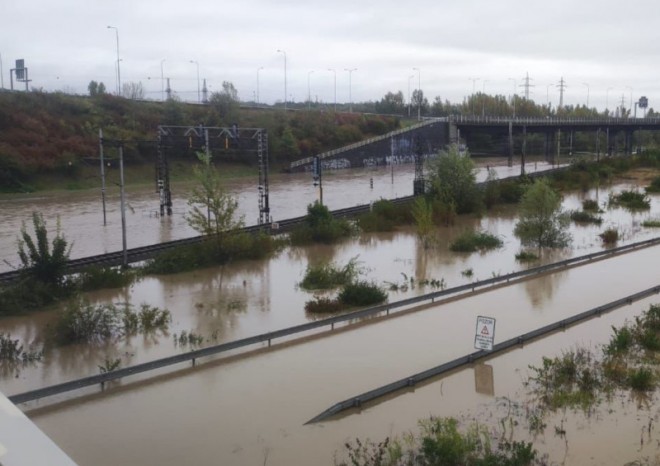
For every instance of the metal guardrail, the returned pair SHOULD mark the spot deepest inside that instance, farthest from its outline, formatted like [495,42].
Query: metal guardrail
[411,381]
[331,321]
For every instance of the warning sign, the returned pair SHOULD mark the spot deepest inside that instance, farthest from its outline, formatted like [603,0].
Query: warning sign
[485,333]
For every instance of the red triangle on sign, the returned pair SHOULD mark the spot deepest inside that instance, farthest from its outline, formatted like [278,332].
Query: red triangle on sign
[484,331]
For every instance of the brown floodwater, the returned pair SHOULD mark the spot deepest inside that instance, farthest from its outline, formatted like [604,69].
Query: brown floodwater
[81,214]
[245,410]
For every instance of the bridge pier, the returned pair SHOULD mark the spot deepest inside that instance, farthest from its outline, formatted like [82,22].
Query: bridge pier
[609,143]
[598,144]
[510,159]
[523,152]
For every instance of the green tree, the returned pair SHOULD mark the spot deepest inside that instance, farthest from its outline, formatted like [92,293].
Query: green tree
[541,221]
[95,88]
[288,144]
[453,180]
[391,103]
[226,102]
[212,209]
[41,261]
[422,212]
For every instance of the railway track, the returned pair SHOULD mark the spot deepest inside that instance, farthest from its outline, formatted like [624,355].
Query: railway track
[143,253]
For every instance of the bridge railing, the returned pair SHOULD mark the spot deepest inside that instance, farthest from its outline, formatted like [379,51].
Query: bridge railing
[484,120]
[339,150]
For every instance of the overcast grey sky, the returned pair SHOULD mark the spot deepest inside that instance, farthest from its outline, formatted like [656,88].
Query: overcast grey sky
[604,43]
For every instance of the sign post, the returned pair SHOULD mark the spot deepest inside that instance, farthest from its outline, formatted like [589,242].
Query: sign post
[485,333]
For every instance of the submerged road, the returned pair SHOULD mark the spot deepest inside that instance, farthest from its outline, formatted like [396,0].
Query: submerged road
[252,410]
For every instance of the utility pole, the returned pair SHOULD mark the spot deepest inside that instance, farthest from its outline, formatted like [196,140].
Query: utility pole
[562,85]
[2,74]
[102,175]
[526,84]
[123,205]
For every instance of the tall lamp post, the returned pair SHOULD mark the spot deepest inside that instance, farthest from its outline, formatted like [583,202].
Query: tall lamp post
[162,81]
[419,92]
[284,53]
[513,96]
[198,94]
[309,91]
[118,70]
[474,82]
[258,69]
[607,100]
[335,72]
[409,78]
[587,84]
[350,95]
[483,98]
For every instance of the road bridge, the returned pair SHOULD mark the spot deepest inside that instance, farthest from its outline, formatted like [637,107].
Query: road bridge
[611,135]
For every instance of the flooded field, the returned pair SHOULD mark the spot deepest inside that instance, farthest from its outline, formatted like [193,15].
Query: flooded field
[81,214]
[252,409]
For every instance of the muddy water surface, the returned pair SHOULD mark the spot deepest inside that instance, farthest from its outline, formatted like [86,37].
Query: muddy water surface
[81,214]
[248,410]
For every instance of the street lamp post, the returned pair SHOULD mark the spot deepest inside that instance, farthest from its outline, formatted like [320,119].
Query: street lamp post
[483,98]
[587,84]
[162,81]
[284,53]
[309,91]
[474,82]
[118,70]
[198,94]
[419,93]
[335,72]
[350,96]
[258,69]
[513,96]
[607,100]
[409,78]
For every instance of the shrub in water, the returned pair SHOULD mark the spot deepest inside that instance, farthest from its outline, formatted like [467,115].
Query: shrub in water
[326,276]
[633,200]
[97,277]
[362,293]
[585,217]
[590,205]
[471,241]
[610,236]
[322,305]
[526,256]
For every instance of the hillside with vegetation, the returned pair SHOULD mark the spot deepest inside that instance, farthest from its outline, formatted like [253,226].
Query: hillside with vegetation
[54,133]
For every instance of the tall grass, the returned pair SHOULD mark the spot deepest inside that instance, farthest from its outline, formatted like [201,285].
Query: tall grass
[327,276]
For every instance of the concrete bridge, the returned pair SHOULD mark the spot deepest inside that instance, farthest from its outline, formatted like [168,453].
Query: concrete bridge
[398,146]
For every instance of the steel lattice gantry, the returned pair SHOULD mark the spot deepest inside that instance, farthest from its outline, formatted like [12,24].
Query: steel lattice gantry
[232,140]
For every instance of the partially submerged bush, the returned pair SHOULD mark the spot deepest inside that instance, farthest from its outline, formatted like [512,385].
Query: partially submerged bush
[322,305]
[652,223]
[471,241]
[654,187]
[526,256]
[12,351]
[102,277]
[631,199]
[320,227]
[233,247]
[590,205]
[362,293]
[384,216]
[82,321]
[440,443]
[327,276]
[581,216]
[610,236]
